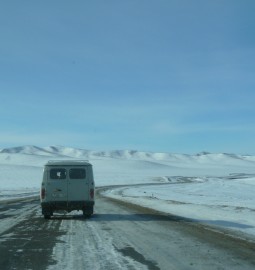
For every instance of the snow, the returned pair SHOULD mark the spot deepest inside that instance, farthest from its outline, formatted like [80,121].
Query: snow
[85,244]
[216,189]
[224,202]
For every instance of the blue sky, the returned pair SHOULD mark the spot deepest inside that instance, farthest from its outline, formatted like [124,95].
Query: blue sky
[163,75]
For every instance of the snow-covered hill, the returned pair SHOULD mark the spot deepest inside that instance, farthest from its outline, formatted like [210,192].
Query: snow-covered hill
[22,166]
[67,152]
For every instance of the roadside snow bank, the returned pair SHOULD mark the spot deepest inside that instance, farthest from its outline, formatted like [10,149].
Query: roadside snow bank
[228,202]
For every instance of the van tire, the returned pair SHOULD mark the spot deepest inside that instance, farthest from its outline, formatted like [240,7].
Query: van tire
[88,212]
[47,216]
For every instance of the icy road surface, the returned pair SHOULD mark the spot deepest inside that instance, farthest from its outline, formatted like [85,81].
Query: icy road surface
[116,237]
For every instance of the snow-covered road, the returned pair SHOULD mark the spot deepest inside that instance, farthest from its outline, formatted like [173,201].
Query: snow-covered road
[116,237]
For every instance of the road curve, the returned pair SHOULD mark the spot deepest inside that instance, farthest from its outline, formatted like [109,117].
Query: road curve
[117,236]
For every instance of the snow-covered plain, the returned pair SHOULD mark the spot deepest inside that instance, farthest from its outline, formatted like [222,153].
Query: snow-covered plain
[216,189]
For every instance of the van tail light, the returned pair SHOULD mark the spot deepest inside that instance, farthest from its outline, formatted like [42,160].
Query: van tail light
[43,192]
[92,193]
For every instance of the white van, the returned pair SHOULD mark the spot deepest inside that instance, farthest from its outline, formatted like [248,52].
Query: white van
[67,185]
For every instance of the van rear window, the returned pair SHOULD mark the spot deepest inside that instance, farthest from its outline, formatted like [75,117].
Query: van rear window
[58,173]
[77,173]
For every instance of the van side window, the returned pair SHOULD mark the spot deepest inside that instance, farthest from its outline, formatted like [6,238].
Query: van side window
[58,173]
[77,173]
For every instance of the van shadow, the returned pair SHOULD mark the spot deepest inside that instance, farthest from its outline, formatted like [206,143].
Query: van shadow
[104,217]
[167,218]
[133,217]
[121,217]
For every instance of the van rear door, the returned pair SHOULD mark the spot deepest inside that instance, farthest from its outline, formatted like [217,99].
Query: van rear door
[57,184]
[78,184]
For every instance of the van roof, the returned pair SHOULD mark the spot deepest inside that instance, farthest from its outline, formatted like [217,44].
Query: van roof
[68,163]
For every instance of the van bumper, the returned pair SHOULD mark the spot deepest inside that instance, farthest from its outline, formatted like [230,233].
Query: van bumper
[50,207]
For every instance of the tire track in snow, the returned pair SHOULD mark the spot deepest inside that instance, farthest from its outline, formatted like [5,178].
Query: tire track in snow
[88,245]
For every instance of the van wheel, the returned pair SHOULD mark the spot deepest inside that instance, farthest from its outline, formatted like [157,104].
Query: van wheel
[47,216]
[88,212]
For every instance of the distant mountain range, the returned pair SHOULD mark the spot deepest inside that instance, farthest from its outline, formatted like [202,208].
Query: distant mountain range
[61,151]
